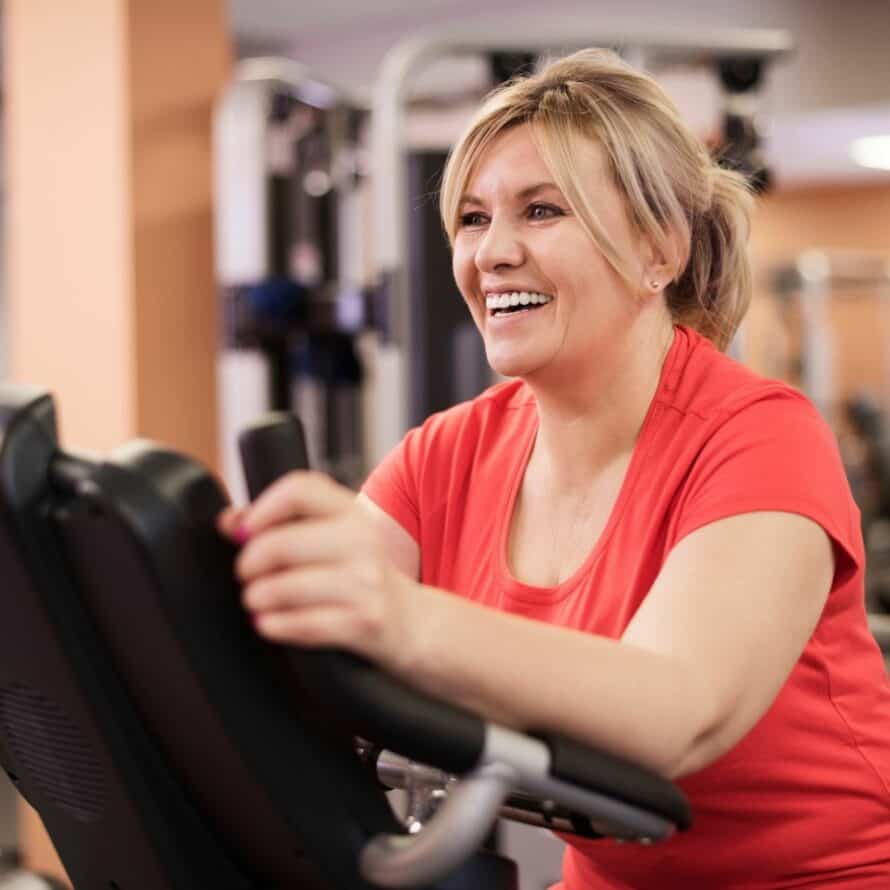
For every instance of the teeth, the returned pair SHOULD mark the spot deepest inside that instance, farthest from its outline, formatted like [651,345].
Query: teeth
[517,298]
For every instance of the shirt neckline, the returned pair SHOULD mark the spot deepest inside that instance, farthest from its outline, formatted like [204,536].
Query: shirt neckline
[513,588]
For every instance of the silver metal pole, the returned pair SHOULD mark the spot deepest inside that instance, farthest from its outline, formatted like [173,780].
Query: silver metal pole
[818,347]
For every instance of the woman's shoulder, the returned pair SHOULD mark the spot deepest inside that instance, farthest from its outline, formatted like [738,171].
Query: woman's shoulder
[509,403]
[713,385]
[465,438]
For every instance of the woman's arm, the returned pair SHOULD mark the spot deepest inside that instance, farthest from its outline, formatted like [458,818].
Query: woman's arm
[700,662]
[739,599]
[400,547]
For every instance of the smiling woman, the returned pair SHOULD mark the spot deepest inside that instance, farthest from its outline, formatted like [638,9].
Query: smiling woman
[609,141]
[517,233]
[636,542]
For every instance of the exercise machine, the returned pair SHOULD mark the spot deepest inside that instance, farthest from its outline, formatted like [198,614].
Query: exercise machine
[166,746]
[828,336]
[289,189]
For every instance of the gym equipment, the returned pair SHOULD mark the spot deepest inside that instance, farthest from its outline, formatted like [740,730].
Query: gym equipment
[168,747]
[833,316]
[288,192]
[834,308]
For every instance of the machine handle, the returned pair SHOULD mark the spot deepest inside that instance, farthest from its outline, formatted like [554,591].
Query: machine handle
[456,832]
[381,708]
[273,446]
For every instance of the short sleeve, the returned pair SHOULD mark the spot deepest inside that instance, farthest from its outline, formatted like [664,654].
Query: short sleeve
[777,454]
[393,484]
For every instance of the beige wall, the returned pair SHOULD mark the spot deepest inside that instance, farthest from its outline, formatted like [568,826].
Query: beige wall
[821,216]
[110,290]
[110,278]
[69,252]
[178,56]
[832,217]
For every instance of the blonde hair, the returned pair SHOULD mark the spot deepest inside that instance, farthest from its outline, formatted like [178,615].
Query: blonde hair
[693,210]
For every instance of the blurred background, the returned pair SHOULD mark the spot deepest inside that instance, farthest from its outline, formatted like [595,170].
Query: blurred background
[210,209]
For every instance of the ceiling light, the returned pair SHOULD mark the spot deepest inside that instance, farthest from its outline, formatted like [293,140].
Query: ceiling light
[872,151]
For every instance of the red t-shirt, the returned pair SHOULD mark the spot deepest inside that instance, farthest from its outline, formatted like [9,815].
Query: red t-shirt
[803,800]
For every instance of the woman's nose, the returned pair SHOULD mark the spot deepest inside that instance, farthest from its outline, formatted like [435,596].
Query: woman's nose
[500,246]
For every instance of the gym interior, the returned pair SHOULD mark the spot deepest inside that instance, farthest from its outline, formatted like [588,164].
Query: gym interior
[217,209]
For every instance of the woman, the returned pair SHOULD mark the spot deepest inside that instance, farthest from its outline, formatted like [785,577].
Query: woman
[636,541]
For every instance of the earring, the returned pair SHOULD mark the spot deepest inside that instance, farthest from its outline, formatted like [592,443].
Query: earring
[654,285]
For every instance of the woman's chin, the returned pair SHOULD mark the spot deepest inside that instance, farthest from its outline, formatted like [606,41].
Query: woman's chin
[511,366]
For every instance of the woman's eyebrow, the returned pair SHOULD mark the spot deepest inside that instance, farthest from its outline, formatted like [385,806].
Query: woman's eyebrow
[524,194]
[538,187]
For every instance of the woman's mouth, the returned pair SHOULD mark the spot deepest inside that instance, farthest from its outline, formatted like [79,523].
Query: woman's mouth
[515,302]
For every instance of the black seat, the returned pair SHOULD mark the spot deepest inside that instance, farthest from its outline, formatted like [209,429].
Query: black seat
[165,745]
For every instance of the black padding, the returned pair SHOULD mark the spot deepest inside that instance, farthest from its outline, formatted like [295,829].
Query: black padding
[391,713]
[163,742]
[65,709]
[579,765]
[286,780]
[382,709]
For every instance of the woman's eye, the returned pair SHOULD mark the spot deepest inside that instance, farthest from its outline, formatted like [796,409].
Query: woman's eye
[473,218]
[543,211]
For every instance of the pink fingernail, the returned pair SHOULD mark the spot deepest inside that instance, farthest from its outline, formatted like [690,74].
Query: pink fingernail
[242,535]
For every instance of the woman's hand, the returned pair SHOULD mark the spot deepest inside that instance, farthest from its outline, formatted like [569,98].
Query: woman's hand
[315,572]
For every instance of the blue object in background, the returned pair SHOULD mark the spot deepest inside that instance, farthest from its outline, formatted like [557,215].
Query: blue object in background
[278,300]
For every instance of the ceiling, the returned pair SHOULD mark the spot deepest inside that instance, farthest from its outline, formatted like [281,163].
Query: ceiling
[285,21]
[834,88]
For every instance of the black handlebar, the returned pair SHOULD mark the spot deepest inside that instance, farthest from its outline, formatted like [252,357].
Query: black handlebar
[394,715]
[381,708]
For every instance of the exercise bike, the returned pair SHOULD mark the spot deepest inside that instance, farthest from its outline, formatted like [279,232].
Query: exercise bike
[166,746]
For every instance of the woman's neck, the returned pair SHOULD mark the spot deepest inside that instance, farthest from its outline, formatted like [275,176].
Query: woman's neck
[583,430]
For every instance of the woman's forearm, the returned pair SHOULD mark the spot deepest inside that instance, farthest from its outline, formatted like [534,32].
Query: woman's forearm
[324,579]
[642,705]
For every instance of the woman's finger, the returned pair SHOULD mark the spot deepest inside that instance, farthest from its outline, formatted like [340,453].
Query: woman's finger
[309,541]
[229,521]
[301,493]
[321,626]
[295,589]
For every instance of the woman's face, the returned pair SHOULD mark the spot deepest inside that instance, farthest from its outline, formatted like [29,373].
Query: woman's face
[518,236]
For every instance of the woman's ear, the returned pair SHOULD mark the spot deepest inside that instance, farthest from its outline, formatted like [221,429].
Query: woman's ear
[661,262]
